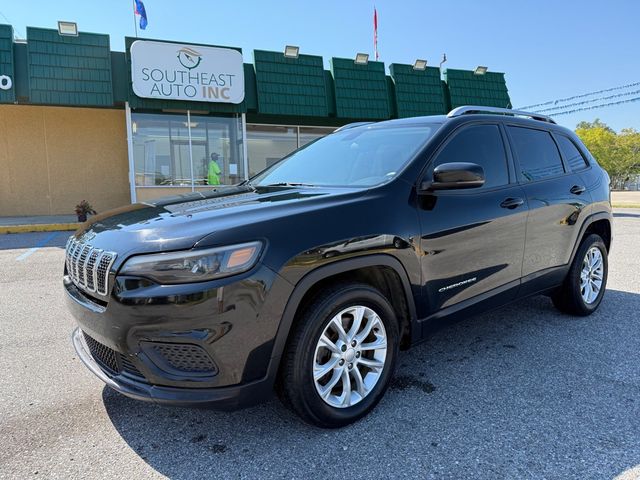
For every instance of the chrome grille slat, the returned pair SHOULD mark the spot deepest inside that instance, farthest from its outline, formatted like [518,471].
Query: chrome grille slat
[72,247]
[74,260]
[103,267]
[88,267]
[66,256]
[92,278]
[82,264]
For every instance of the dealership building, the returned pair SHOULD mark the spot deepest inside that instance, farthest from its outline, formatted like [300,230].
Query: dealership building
[79,121]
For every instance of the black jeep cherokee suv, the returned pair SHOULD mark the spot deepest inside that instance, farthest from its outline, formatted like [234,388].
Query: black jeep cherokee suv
[310,277]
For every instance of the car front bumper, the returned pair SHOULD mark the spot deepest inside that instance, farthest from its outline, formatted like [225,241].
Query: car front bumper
[224,398]
[135,342]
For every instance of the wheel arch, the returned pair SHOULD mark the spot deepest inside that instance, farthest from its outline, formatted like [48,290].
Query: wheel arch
[598,223]
[381,271]
[601,227]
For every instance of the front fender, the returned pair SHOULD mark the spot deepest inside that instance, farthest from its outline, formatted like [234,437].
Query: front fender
[319,273]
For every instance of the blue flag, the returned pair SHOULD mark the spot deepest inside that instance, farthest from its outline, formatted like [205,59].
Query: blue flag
[143,14]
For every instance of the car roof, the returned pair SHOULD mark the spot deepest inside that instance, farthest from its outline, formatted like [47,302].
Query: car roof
[415,120]
[466,118]
[471,113]
[397,122]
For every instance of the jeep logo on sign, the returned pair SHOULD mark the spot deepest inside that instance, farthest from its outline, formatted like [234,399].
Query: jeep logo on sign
[172,71]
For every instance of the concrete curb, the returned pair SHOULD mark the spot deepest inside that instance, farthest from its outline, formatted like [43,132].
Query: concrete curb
[38,227]
[626,205]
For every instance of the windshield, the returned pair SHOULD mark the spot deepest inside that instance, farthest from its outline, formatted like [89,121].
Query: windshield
[361,156]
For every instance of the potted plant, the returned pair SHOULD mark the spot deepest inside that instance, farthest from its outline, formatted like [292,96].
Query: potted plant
[83,209]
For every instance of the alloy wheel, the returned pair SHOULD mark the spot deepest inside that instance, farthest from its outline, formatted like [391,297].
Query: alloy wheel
[591,275]
[350,356]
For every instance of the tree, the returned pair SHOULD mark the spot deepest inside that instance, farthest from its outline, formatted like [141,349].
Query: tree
[629,143]
[618,154]
[595,124]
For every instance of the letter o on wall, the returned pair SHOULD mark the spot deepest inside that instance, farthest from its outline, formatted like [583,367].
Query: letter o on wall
[5,82]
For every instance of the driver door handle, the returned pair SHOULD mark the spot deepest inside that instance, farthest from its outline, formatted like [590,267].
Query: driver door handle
[512,203]
[577,189]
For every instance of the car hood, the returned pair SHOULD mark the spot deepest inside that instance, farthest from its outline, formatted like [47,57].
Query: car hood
[174,223]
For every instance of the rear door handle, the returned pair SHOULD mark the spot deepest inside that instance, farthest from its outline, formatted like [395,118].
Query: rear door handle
[512,203]
[577,189]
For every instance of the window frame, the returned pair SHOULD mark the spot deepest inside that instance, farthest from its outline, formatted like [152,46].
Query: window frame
[516,159]
[511,178]
[585,159]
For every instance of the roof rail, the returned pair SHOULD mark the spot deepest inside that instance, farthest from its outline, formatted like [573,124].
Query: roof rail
[351,125]
[470,109]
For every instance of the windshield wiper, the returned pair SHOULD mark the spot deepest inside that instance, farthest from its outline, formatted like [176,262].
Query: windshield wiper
[287,184]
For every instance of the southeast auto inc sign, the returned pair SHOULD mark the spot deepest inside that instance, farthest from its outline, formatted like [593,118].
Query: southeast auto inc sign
[172,71]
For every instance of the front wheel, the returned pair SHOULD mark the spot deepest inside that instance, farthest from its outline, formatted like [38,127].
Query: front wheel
[341,356]
[583,289]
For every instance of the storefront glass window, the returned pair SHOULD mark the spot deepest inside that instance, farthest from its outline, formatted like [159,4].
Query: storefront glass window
[309,134]
[177,151]
[217,150]
[266,144]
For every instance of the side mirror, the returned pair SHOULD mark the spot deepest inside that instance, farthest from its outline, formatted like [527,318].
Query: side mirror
[455,175]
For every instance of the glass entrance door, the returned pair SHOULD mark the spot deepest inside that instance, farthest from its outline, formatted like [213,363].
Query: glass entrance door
[180,165]
[181,171]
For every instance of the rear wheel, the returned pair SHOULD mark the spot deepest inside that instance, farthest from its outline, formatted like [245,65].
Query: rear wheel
[341,356]
[584,287]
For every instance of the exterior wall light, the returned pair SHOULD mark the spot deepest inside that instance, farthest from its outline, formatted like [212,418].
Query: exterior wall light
[362,59]
[420,65]
[480,70]
[69,29]
[291,51]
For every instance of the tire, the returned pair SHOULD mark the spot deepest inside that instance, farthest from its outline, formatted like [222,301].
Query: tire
[573,299]
[305,355]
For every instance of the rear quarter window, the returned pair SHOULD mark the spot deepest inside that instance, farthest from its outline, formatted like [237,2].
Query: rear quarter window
[571,154]
[537,153]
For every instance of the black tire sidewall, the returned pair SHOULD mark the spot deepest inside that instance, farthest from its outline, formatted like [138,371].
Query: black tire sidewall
[316,321]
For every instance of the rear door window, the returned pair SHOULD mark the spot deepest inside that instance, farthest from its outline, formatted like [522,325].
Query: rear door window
[571,154]
[537,153]
[480,144]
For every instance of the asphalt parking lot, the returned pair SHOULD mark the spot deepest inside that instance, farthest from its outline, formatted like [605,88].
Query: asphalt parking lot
[521,392]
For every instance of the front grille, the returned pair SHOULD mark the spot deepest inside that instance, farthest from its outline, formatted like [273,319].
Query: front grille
[185,357]
[109,359]
[105,356]
[88,267]
[129,367]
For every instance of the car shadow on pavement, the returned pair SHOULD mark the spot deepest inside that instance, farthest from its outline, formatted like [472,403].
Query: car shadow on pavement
[520,392]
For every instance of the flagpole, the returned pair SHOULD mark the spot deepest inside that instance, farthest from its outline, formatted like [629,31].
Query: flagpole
[375,32]
[135,24]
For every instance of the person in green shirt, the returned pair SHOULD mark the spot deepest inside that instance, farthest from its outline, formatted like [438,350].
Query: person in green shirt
[213,175]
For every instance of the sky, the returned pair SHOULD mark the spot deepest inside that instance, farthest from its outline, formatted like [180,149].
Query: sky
[548,49]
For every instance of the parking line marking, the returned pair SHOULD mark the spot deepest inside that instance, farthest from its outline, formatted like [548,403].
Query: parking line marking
[39,245]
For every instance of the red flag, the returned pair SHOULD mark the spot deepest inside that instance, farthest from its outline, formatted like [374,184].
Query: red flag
[375,32]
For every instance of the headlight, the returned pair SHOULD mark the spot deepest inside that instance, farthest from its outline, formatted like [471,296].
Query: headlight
[194,265]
